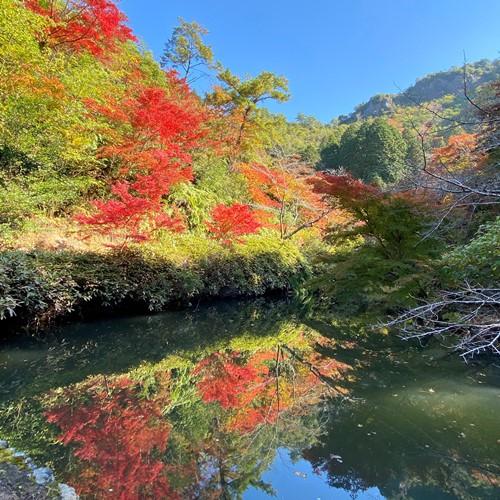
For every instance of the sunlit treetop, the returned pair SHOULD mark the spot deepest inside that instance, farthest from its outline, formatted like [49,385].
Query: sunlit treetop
[186,52]
[93,25]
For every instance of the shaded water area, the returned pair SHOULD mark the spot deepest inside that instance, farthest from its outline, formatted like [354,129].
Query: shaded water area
[251,399]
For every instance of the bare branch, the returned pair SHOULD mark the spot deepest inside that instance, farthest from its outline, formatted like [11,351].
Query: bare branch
[470,316]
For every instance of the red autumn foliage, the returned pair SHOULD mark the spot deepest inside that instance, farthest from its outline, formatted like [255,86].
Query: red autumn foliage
[115,435]
[160,131]
[224,378]
[275,392]
[136,215]
[344,187]
[93,25]
[245,387]
[230,222]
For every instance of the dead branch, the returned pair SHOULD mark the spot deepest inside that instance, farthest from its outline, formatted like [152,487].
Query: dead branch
[471,315]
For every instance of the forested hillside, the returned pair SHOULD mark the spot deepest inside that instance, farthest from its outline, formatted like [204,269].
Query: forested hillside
[385,129]
[120,186]
[111,165]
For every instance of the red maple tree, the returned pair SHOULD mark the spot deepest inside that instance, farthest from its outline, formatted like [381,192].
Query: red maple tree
[244,387]
[93,25]
[159,132]
[228,223]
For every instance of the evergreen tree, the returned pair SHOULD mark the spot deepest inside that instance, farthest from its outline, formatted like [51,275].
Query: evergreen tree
[413,151]
[373,151]
[330,146]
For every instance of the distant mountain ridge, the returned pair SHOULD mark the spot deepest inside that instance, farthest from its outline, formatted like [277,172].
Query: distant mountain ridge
[428,88]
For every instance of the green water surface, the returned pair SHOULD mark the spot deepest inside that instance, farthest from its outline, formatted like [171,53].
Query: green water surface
[251,400]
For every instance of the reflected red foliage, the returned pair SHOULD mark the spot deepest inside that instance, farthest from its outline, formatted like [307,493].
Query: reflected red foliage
[247,387]
[254,393]
[116,436]
[224,378]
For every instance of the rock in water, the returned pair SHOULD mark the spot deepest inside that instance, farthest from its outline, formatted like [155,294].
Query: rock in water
[16,484]
[67,492]
[43,475]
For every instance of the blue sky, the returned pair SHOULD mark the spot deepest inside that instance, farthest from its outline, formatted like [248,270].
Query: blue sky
[335,53]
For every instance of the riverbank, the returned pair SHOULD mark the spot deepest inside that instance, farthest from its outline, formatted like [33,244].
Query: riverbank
[38,288]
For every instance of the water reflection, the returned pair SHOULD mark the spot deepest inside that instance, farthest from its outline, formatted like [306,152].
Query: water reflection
[161,408]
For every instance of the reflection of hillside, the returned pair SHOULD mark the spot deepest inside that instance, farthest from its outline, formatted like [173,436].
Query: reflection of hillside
[121,344]
[203,421]
[196,405]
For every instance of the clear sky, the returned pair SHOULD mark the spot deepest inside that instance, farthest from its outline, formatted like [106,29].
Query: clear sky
[335,53]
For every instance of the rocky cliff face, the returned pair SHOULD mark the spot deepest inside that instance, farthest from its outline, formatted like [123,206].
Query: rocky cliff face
[428,88]
[378,105]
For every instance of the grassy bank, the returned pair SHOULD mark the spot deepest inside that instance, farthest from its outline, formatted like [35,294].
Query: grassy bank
[39,287]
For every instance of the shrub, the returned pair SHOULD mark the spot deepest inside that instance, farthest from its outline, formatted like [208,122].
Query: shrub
[384,260]
[30,285]
[41,193]
[477,261]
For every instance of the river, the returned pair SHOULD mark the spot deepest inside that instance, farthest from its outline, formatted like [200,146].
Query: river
[251,399]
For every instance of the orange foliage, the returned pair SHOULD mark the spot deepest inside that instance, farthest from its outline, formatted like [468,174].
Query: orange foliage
[224,378]
[459,153]
[254,391]
[283,194]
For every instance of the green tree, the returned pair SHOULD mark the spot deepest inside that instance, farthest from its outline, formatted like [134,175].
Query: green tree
[384,151]
[413,157]
[186,52]
[373,152]
[330,146]
[240,99]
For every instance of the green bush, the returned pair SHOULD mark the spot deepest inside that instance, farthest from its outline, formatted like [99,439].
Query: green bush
[478,261]
[362,279]
[383,263]
[41,193]
[29,284]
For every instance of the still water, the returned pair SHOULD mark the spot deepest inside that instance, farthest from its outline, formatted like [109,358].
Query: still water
[251,400]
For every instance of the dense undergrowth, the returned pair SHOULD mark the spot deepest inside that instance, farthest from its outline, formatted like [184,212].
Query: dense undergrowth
[38,287]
